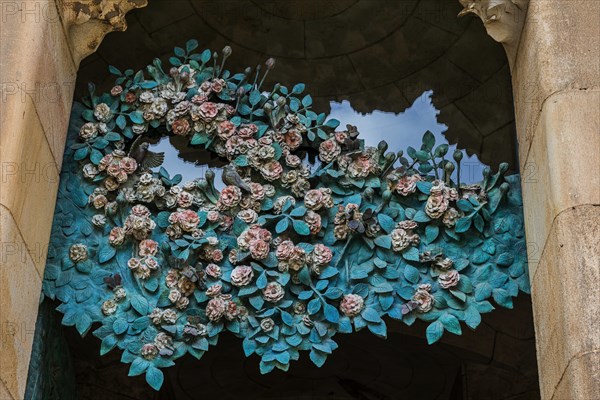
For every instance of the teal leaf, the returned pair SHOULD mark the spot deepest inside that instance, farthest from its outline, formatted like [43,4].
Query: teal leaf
[411,254]
[421,216]
[383,241]
[301,228]
[434,332]
[282,225]
[331,313]
[431,233]
[411,274]
[154,377]
[138,366]
[298,88]
[96,156]
[332,123]
[386,222]
[370,315]
[428,141]
[451,323]
[462,225]
[139,304]
[106,253]
[505,259]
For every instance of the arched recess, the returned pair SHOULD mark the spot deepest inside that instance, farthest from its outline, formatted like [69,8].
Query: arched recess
[482,94]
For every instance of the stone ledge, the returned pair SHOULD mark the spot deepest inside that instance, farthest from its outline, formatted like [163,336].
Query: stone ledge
[567,305]
[558,175]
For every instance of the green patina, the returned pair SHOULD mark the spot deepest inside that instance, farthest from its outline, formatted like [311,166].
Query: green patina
[283,257]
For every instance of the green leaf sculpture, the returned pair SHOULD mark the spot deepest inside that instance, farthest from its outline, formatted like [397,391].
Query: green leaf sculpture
[283,257]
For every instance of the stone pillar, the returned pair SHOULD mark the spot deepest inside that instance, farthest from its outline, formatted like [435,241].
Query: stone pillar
[42,43]
[555,67]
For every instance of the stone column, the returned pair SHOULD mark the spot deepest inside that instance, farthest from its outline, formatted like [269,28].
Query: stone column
[42,43]
[554,49]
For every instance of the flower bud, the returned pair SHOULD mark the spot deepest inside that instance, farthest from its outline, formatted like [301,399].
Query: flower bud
[458,155]
[270,63]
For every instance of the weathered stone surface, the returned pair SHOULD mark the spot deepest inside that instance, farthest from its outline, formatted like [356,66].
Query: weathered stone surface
[566,298]
[461,126]
[489,107]
[20,285]
[503,138]
[45,73]
[30,176]
[342,40]
[562,168]
[581,380]
[4,393]
[559,50]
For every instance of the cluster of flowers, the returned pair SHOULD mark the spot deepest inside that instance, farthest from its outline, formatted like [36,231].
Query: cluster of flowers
[167,316]
[349,220]
[448,277]
[162,345]
[232,198]
[183,221]
[352,305]
[438,202]
[355,164]
[181,284]
[317,199]
[404,185]
[109,306]
[139,223]
[118,167]
[293,258]
[404,236]
[143,265]
[255,240]
[149,189]
[90,130]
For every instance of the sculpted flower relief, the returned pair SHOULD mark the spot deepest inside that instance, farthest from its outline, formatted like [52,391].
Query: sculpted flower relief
[273,292]
[449,279]
[352,305]
[314,231]
[241,275]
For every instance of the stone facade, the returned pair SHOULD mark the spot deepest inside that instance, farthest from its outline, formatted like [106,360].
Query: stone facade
[553,48]
[556,77]
[39,57]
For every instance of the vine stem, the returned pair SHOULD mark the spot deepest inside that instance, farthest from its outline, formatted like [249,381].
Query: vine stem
[343,250]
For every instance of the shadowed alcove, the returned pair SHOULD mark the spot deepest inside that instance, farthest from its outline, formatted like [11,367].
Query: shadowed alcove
[364,59]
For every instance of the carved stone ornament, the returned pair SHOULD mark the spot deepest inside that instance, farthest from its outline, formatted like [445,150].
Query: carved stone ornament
[287,254]
[87,22]
[503,20]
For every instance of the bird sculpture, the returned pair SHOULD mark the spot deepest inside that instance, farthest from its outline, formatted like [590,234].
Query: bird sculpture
[232,177]
[352,142]
[145,158]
